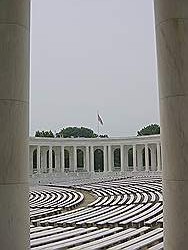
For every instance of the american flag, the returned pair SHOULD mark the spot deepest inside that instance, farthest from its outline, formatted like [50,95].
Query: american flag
[100,119]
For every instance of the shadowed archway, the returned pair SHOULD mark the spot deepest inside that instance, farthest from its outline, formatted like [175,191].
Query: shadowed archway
[35,160]
[143,157]
[80,159]
[53,159]
[67,160]
[98,160]
[117,159]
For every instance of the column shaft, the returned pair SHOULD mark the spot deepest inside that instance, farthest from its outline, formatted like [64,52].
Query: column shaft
[44,160]
[14,124]
[172,50]
[126,158]
[122,158]
[87,159]
[105,159]
[62,159]
[109,158]
[38,159]
[146,158]
[50,160]
[153,158]
[57,159]
[139,158]
[92,159]
[134,158]
[75,159]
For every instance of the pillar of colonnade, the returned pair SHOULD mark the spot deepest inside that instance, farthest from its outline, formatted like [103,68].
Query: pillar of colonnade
[38,159]
[105,159]
[88,158]
[14,113]
[146,158]
[62,159]
[172,48]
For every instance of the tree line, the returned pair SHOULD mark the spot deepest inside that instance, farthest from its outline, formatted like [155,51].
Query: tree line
[82,132]
[70,132]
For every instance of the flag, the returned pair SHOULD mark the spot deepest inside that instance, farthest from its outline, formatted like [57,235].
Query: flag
[100,119]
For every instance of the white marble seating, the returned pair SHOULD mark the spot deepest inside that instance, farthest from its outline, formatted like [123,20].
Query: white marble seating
[126,212]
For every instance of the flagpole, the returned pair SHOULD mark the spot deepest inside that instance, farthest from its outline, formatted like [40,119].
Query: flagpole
[97,123]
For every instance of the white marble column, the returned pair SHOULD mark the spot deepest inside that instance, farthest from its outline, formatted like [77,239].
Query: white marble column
[122,152]
[87,158]
[153,158]
[139,157]
[14,124]
[71,159]
[84,160]
[75,159]
[126,158]
[172,51]
[92,159]
[105,159]
[62,159]
[109,158]
[57,151]
[38,159]
[134,158]
[158,157]
[50,160]
[43,159]
[146,158]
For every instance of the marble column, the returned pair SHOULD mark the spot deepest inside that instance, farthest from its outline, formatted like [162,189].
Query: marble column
[43,159]
[92,159]
[14,124]
[84,160]
[62,159]
[105,159]
[126,158]
[122,152]
[109,158]
[71,155]
[87,159]
[146,158]
[158,157]
[38,159]
[172,52]
[139,158]
[134,158]
[75,159]
[57,151]
[50,160]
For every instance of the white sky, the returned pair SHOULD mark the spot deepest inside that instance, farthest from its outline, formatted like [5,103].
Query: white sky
[89,55]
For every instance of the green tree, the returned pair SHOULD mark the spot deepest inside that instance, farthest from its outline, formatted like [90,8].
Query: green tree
[44,133]
[76,132]
[152,129]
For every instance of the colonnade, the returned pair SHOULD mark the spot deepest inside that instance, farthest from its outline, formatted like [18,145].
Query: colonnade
[91,157]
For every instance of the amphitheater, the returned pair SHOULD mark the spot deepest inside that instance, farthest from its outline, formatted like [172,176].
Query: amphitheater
[85,207]
[115,203]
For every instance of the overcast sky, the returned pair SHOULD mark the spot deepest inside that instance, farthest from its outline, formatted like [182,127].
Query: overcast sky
[89,55]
